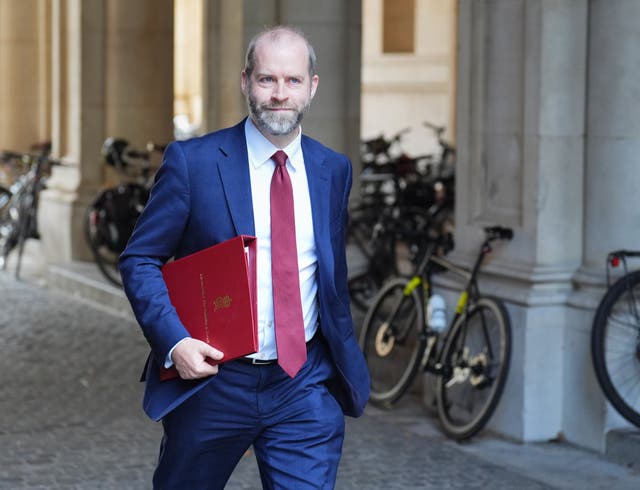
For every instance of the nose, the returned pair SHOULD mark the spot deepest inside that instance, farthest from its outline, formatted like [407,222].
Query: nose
[279,93]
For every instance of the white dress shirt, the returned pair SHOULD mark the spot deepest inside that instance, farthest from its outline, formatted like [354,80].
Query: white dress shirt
[261,168]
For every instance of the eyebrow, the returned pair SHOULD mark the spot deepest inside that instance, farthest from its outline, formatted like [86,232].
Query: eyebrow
[268,74]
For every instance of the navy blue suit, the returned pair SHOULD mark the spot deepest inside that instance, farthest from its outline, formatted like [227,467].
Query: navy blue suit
[202,196]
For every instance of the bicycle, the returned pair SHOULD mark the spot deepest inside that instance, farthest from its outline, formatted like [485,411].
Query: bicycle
[19,203]
[469,359]
[112,215]
[615,339]
[386,240]
[376,152]
[404,202]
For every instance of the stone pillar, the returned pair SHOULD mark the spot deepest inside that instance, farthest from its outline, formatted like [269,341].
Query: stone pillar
[112,76]
[223,60]
[613,130]
[77,126]
[334,29]
[612,178]
[333,26]
[139,70]
[26,73]
[521,93]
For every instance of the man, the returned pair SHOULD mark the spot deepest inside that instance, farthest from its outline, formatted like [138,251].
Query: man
[263,178]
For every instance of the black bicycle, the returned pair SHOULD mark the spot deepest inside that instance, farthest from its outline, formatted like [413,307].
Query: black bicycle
[112,215]
[615,339]
[469,358]
[19,203]
[405,202]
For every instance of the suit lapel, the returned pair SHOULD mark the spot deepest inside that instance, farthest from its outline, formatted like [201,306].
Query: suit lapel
[233,167]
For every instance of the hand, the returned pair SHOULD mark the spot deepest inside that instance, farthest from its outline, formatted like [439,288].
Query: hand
[190,359]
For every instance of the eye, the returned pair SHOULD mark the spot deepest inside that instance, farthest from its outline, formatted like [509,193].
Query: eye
[266,79]
[295,81]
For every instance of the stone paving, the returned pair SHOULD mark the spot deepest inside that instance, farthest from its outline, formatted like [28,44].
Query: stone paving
[71,418]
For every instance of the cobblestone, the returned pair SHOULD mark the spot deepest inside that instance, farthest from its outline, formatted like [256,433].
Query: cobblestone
[71,418]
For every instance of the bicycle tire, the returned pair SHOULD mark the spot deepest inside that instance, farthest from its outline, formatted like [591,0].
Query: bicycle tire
[5,199]
[380,265]
[615,346]
[475,379]
[394,360]
[6,226]
[362,284]
[106,260]
[388,254]
[26,225]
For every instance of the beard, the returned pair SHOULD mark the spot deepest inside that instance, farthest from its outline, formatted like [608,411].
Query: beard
[276,123]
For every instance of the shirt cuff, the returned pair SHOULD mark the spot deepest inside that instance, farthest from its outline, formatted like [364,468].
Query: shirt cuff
[168,362]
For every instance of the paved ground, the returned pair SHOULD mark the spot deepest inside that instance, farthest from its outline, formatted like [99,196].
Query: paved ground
[71,418]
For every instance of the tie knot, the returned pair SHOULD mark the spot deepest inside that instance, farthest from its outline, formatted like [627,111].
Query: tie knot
[280,157]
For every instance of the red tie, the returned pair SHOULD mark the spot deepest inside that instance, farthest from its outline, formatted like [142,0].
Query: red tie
[287,306]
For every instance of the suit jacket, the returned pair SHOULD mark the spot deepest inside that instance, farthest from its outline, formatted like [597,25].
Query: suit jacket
[202,196]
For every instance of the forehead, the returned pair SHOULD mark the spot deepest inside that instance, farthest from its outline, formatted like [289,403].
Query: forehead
[285,52]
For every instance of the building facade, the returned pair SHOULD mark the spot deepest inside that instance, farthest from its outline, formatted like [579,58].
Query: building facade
[545,125]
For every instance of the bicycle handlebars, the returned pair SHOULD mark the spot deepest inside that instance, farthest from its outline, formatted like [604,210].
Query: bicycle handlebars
[7,156]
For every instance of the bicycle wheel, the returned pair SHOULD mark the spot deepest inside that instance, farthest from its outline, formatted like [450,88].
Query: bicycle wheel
[9,228]
[5,198]
[475,358]
[615,346]
[393,340]
[379,266]
[26,224]
[386,244]
[109,222]
[105,258]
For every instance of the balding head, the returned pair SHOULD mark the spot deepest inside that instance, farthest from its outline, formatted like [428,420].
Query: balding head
[275,35]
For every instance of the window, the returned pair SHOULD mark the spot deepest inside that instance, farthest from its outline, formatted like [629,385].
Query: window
[398,26]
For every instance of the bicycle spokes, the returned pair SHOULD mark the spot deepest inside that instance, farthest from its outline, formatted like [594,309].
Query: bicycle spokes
[476,370]
[475,362]
[393,341]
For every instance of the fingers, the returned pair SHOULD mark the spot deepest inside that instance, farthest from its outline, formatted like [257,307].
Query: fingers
[211,352]
[192,359]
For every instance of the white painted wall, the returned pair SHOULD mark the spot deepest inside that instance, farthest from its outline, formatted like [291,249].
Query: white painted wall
[403,90]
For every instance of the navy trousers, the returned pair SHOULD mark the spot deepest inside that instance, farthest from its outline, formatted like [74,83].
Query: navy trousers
[295,425]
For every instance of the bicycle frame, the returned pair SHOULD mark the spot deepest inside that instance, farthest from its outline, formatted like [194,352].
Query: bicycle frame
[20,213]
[422,280]
[613,260]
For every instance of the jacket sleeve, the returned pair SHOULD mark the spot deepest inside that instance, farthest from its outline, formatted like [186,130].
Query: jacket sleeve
[340,252]
[154,240]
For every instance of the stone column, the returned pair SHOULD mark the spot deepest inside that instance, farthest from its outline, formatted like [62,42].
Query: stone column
[613,131]
[521,93]
[26,73]
[223,60]
[139,70]
[112,76]
[612,179]
[334,28]
[77,126]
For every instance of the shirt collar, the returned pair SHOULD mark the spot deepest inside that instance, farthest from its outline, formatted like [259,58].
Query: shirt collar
[260,149]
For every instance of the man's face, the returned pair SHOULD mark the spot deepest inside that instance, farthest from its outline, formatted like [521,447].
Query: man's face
[279,90]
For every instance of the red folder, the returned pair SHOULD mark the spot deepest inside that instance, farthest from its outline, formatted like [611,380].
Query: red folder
[214,294]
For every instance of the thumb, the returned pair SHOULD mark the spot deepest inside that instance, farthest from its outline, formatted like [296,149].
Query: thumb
[212,352]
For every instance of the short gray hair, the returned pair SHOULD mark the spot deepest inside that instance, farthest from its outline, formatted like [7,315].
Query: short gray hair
[274,33]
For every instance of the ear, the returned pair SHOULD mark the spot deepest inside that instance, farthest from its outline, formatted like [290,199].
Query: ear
[314,85]
[244,82]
